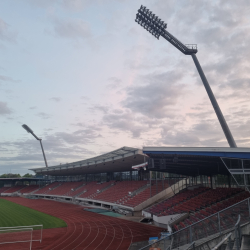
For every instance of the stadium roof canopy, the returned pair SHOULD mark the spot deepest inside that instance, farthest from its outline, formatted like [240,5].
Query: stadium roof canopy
[119,160]
[21,179]
[193,161]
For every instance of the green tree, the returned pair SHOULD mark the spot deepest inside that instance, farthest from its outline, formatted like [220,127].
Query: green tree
[10,175]
[28,175]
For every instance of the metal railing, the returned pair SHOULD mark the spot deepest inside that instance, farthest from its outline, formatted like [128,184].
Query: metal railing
[191,246]
[164,244]
[213,225]
[237,234]
[191,46]
[223,241]
[216,223]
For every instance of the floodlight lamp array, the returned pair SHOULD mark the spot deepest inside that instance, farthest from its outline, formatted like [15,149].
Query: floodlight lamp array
[27,128]
[150,22]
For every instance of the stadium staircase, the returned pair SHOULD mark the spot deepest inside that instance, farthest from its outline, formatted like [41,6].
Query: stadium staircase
[12,190]
[64,189]
[29,189]
[144,194]
[44,190]
[104,186]
[78,191]
[119,190]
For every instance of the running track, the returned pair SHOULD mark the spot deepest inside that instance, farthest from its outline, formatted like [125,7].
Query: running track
[85,230]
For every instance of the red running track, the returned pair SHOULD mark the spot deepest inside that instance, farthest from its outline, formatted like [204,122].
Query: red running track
[85,230]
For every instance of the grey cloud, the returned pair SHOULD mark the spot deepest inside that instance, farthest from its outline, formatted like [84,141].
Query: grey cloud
[4,109]
[55,99]
[155,98]
[75,4]
[79,124]
[124,121]
[114,82]
[83,136]
[205,133]
[7,79]
[59,147]
[43,115]
[85,98]
[42,3]
[104,109]
[72,29]
[5,33]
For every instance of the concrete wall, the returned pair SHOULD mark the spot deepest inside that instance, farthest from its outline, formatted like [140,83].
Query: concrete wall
[166,219]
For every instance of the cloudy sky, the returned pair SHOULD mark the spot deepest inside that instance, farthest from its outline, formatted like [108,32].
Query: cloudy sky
[88,79]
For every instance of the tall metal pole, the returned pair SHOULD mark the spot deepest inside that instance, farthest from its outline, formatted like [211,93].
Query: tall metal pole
[29,130]
[216,107]
[43,153]
[157,28]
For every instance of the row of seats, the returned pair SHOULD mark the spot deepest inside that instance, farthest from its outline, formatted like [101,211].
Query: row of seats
[64,188]
[47,188]
[92,189]
[145,194]
[19,188]
[128,193]
[14,189]
[29,189]
[224,219]
[192,200]
[119,190]
[71,189]
[177,199]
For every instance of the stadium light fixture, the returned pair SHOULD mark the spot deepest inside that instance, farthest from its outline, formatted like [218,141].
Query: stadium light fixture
[157,28]
[29,130]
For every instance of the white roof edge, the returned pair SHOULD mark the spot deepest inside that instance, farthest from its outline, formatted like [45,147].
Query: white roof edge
[197,149]
[91,161]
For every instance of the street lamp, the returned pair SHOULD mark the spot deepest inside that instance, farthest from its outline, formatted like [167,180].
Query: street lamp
[157,28]
[29,130]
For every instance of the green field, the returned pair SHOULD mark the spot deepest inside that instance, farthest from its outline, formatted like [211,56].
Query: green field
[12,214]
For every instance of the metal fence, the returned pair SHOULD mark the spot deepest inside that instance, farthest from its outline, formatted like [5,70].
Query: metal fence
[212,225]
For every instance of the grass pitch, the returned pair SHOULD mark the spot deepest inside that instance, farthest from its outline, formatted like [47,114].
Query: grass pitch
[12,215]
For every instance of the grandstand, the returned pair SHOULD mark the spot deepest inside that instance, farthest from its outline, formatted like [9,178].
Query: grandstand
[178,188]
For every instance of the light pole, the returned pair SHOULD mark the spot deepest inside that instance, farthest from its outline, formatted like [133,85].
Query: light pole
[157,28]
[28,129]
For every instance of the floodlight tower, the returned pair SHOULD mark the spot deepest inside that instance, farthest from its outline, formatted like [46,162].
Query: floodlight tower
[157,28]
[29,130]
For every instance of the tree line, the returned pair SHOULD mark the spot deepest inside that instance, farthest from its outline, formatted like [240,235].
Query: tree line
[16,175]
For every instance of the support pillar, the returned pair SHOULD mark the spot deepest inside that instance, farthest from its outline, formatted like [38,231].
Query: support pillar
[150,177]
[229,180]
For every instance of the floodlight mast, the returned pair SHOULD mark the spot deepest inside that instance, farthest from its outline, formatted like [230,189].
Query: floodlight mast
[29,130]
[157,28]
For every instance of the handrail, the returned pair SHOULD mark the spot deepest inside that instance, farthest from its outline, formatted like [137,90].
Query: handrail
[237,234]
[238,221]
[171,244]
[211,216]
[155,242]
[191,245]
[219,244]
